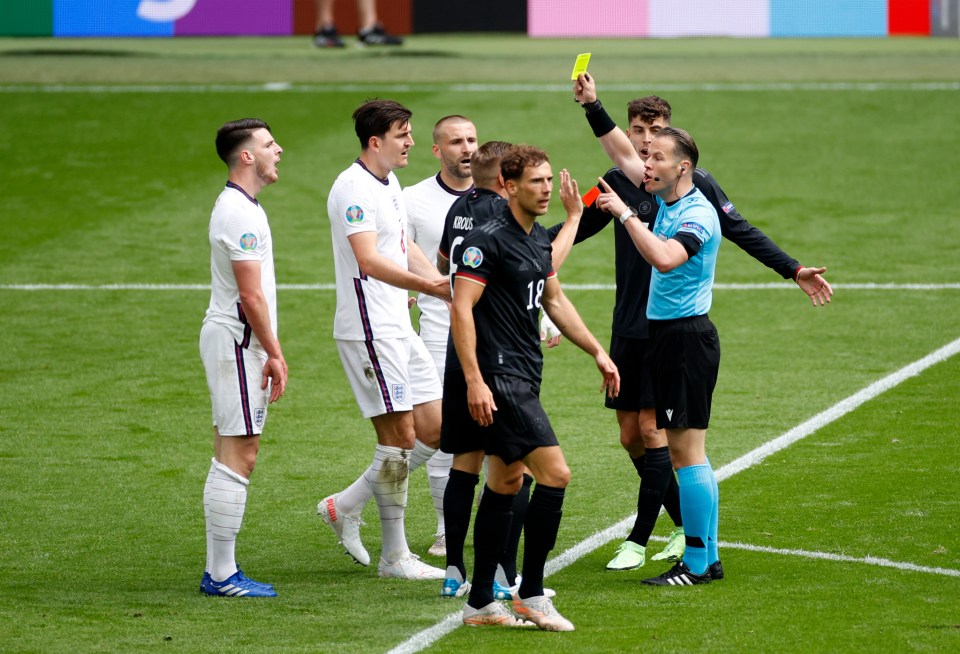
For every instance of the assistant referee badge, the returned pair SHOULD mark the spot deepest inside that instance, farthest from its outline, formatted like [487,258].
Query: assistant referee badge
[472,257]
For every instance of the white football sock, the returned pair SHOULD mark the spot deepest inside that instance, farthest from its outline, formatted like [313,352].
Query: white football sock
[206,511]
[354,497]
[387,476]
[225,499]
[438,472]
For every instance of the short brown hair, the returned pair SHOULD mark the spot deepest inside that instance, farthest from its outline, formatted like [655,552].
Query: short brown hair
[648,109]
[520,157]
[376,117]
[684,147]
[485,163]
[231,136]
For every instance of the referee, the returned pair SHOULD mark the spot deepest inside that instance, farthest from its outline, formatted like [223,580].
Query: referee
[684,345]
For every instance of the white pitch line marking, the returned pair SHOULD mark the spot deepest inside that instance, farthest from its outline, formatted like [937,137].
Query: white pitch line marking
[423,639]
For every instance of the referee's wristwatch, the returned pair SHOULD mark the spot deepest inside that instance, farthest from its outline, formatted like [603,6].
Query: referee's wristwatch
[628,214]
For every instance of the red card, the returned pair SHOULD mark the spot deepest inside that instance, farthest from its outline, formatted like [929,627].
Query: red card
[591,196]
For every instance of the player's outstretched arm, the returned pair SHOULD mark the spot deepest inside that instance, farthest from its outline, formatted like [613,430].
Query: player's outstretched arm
[816,287]
[568,321]
[374,264]
[614,141]
[443,264]
[662,255]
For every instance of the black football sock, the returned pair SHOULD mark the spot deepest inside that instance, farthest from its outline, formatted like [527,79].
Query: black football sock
[457,506]
[657,473]
[520,503]
[540,535]
[489,541]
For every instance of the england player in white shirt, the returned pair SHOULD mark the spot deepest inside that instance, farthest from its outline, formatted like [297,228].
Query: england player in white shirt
[389,369]
[244,364]
[454,141]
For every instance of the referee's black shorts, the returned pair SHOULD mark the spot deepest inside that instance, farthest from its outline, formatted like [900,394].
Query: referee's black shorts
[684,360]
[636,382]
[520,425]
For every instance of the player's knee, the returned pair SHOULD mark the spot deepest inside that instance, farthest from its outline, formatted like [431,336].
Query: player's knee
[558,476]
[651,437]
[631,439]
[510,485]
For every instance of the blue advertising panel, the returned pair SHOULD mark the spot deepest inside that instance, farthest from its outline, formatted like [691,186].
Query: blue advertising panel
[115,17]
[827,18]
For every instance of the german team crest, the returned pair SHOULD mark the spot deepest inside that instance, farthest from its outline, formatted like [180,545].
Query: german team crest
[399,392]
[248,242]
[472,257]
[259,415]
[354,214]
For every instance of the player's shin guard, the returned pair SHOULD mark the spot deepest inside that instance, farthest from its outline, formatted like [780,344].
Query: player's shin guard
[540,529]
[696,504]
[224,499]
[457,506]
[489,541]
[388,476]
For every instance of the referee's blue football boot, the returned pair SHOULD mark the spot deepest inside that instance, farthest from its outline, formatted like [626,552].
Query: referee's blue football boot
[679,575]
[236,585]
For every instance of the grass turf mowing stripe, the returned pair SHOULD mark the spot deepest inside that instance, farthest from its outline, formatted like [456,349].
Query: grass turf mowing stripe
[427,637]
[285,87]
[770,286]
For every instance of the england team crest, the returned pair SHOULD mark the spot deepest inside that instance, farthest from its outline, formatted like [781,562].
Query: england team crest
[259,415]
[399,392]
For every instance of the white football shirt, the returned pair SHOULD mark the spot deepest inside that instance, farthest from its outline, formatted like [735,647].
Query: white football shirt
[367,308]
[239,231]
[427,205]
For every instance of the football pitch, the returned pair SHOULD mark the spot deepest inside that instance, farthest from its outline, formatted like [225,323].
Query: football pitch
[835,430]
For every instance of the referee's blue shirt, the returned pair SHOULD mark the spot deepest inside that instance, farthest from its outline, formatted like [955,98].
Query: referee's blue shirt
[687,290]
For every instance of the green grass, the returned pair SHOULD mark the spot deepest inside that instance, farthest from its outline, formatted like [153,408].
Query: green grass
[104,416]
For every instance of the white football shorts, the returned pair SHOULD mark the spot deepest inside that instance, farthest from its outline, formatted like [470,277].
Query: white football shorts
[390,374]
[438,351]
[234,375]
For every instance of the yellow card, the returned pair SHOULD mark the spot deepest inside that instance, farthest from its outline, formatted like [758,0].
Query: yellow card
[581,65]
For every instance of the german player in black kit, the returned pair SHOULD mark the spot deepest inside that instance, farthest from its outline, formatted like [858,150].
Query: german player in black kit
[487,201]
[504,277]
[644,443]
